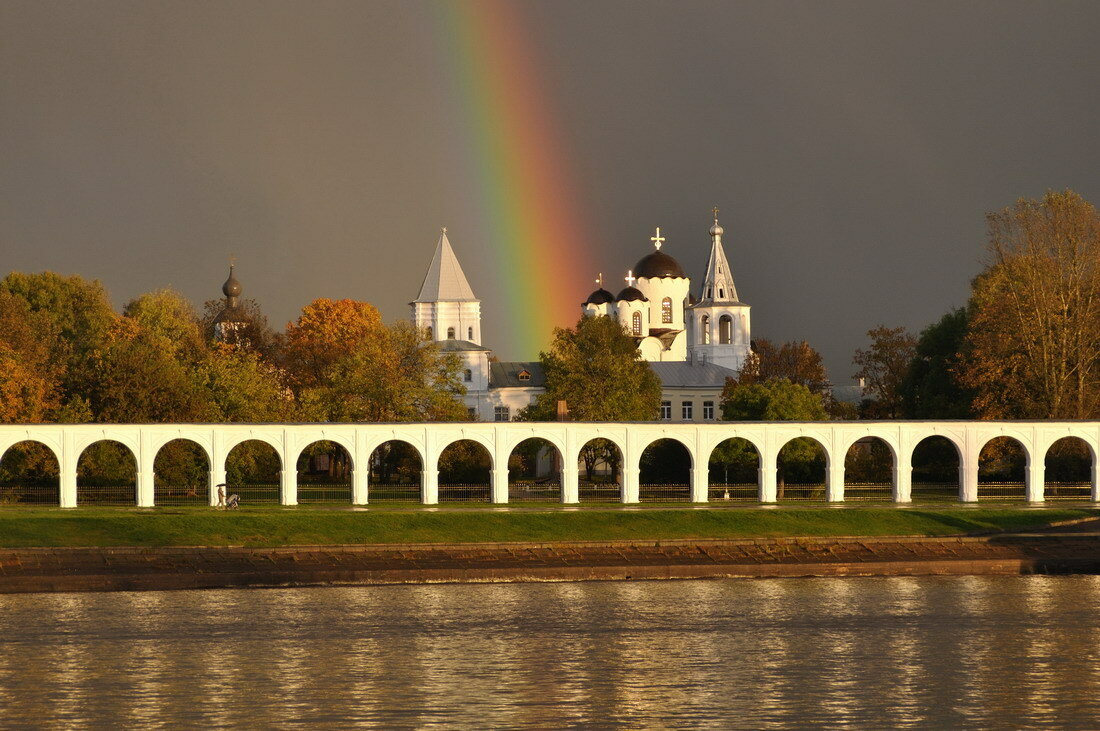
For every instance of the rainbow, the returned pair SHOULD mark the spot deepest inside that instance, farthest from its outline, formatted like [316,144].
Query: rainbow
[525,191]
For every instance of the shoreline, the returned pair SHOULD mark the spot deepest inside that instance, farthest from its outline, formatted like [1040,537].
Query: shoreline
[30,570]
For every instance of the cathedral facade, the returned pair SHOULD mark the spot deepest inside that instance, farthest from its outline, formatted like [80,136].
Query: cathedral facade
[693,343]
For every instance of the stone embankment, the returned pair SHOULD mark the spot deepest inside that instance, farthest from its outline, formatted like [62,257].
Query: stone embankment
[121,569]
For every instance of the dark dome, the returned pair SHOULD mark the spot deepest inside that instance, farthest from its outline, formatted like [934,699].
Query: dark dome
[631,294]
[231,288]
[600,297]
[658,264]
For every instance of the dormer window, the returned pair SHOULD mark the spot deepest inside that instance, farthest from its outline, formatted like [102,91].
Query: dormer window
[525,375]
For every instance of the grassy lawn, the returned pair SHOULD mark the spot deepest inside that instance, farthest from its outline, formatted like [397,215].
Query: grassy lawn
[21,527]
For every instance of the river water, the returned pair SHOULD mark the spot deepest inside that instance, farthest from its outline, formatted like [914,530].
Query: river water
[787,653]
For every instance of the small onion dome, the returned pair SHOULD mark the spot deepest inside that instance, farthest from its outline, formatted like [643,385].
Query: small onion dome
[231,288]
[658,264]
[631,294]
[600,297]
[716,229]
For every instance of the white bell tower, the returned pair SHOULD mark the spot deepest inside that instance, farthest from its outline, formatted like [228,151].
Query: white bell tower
[718,324]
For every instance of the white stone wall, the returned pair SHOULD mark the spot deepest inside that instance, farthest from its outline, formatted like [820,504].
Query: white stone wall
[731,355]
[67,442]
[464,317]
[656,289]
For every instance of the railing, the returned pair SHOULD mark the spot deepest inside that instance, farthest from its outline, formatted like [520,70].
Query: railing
[180,494]
[465,493]
[869,492]
[664,493]
[1002,491]
[800,492]
[1068,491]
[256,494]
[733,492]
[599,492]
[44,493]
[323,491]
[934,492]
[533,491]
[394,493]
[106,495]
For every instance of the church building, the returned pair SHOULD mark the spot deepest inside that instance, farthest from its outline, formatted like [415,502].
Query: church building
[693,344]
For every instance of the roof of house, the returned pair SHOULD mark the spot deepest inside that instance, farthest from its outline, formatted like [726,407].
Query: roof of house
[684,374]
[459,346]
[506,374]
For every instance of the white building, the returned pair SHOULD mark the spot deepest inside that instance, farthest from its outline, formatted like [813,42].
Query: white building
[693,345]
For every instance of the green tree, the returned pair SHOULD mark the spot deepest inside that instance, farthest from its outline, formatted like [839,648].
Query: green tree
[30,387]
[596,369]
[775,400]
[882,368]
[931,388]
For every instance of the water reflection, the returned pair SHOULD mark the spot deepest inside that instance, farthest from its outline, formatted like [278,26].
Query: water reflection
[1017,651]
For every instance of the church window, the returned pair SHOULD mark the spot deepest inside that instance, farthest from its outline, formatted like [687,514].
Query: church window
[468,375]
[686,410]
[721,293]
[637,321]
[725,330]
[708,411]
[450,333]
[469,333]
[666,410]
[666,310]
[501,413]
[704,325]
[525,375]
[709,293]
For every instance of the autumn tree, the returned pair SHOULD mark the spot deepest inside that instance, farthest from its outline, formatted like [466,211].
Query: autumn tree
[795,361]
[30,387]
[882,369]
[1034,336]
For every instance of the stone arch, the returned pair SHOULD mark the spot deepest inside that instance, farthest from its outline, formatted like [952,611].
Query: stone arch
[465,471]
[733,470]
[181,473]
[535,471]
[1068,465]
[600,470]
[324,468]
[253,470]
[725,330]
[106,474]
[802,466]
[396,472]
[664,471]
[869,468]
[1002,469]
[936,469]
[704,330]
[30,474]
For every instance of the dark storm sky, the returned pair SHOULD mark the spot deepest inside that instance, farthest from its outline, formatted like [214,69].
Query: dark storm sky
[852,147]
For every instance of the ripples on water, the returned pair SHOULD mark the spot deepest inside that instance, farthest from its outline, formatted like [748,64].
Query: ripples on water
[892,652]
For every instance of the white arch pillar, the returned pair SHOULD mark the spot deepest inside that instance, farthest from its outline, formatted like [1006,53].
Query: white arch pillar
[288,485]
[700,482]
[499,484]
[1095,480]
[903,479]
[1034,480]
[834,480]
[630,490]
[143,461]
[968,483]
[359,486]
[67,470]
[768,475]
[570,483]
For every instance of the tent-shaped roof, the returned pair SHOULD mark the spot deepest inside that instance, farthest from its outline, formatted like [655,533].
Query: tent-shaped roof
[445,281]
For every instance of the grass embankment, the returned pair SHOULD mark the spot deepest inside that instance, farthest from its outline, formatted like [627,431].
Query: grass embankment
[260,527]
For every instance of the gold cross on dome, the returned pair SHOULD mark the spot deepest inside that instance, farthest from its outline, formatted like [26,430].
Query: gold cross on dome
[443,230]
[232,260]
[716,214]
[658,239]
[630,278]
[599,279]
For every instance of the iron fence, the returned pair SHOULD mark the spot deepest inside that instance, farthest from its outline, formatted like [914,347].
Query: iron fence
[733,492]
[106,494]
[599,492]
[385,493]
[255,494]
[868,492]
[527,491]
[323,491]
[1001,491]
[809,492]
[934,492]
[664,493]
[1068,491]
[30,493]
[180,494]
[465,493]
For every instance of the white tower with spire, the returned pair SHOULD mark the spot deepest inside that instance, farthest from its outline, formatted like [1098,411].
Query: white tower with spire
[446,305]
[718,324]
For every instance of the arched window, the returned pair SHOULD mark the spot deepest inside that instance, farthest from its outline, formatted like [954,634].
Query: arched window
[469,333]
[450,333]
[704,325]
[468,375]
[637,319]
[725,330]
[666,309]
